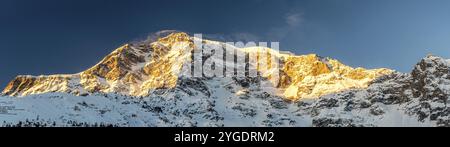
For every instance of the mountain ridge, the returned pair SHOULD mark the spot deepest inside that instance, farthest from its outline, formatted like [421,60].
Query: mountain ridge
[135,69]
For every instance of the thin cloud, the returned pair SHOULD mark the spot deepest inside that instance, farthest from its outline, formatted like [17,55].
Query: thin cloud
[234,37]
[294,19]
[245,37]
[290,22]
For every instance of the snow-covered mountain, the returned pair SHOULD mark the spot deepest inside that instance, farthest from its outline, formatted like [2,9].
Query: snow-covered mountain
[146,84]
[139,68]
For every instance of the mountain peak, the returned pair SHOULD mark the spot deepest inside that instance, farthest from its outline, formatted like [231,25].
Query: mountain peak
[432,64]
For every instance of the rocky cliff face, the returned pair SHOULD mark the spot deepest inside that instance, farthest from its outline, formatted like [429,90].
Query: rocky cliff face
[312,76]
[430,88]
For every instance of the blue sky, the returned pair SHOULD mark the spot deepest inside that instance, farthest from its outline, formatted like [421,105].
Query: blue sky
[54,36]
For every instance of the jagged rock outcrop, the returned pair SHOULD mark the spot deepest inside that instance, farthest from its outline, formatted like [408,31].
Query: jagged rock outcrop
[430,85]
